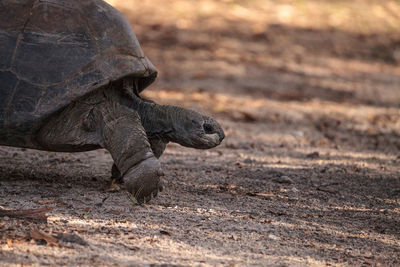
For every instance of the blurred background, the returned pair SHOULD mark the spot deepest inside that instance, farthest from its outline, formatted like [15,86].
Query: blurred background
[308,93]
[329,65]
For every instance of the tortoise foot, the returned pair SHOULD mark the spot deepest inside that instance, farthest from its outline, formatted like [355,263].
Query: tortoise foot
[143,180]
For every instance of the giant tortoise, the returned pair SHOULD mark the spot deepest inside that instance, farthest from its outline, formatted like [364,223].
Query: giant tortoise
[70,76]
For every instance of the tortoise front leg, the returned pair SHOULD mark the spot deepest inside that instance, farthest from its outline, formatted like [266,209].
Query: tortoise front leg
[124,137]
[85,126]
[157,146]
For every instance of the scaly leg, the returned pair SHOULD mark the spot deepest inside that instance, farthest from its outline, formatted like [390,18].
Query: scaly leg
[98,122]
[157,146]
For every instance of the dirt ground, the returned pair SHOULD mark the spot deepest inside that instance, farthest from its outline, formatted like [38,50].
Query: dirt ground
[308,93]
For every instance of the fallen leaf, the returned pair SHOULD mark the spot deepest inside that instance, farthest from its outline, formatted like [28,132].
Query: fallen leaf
[115,212]
[50,240]
[15,242]
[114,187]
[227,187]
[266,194]
[81,230]
[327,190]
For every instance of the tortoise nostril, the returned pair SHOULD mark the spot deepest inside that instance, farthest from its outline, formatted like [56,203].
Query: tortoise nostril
[208,129]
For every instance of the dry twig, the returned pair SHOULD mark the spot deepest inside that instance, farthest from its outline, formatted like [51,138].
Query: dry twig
[33,214]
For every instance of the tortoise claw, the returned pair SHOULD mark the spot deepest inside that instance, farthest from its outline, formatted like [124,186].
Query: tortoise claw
[143,180]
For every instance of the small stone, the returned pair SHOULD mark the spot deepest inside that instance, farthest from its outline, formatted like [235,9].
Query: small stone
[273,237]
[298,134]
[72,238]
[313,155]
[283,180]
[295,190]
[248,161]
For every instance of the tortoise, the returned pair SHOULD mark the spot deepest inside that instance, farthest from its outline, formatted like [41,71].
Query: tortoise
[71,74]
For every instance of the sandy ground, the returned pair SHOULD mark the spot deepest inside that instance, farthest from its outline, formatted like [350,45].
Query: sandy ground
[309,171]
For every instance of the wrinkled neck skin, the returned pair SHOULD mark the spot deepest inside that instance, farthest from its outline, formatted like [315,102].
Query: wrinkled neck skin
[170,123]
[156,119]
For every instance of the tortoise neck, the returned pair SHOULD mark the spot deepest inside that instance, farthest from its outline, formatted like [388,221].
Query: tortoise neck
[156,119]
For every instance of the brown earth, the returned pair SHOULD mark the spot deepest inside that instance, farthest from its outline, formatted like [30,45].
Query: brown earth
[308,95]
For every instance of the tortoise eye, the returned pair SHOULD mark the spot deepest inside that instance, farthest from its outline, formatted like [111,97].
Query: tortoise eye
[208,129]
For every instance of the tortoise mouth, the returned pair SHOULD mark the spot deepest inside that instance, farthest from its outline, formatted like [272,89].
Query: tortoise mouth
[210,140]
[203,141]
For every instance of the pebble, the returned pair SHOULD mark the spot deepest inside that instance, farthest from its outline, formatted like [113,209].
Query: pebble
[273,237]
[313,155]
[248,161]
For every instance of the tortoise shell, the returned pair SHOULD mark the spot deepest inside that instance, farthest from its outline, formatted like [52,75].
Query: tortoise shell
[56,51]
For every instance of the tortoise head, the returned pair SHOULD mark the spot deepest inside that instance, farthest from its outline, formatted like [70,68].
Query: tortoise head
[194,129]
